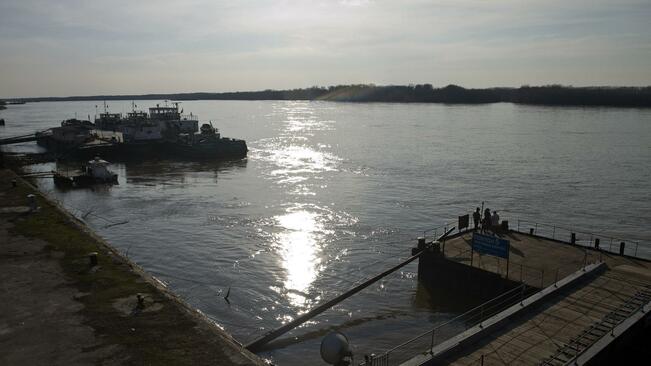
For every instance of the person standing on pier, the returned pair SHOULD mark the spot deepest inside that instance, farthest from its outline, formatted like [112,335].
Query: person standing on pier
[495,221]
[476,217]
[487,220]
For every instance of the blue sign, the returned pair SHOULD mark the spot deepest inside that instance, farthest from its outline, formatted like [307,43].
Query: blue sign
[491,245]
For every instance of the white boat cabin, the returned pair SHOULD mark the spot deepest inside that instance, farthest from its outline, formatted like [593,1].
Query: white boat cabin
[98,168]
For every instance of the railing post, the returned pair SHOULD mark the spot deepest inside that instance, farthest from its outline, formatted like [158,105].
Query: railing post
[431,348]
[585,257]
[622,246]
[518,225]
[554,232]
[573,239]
[556,278]
[601,255]
[481,316]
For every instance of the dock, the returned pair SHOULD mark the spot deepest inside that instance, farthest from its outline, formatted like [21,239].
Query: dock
[555,301]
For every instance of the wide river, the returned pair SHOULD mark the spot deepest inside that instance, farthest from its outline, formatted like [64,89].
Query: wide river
[333,193]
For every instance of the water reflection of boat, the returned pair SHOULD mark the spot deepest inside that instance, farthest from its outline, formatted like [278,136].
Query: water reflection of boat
[175,171]
[94,172]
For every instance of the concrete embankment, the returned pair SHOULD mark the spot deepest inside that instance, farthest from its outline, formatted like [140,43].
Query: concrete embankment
[56,308]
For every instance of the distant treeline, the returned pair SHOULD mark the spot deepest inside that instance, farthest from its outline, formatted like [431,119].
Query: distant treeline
[557,95]
[2,105]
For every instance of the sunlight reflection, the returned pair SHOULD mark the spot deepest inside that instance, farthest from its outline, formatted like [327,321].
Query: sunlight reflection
[301,159]
[300,166]
[299,247]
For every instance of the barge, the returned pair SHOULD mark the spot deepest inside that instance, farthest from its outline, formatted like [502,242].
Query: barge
[163,132]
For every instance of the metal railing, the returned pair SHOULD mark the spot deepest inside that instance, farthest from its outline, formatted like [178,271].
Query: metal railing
[611,244]
[189,117]
[435,232]
[425,342]
[607,243]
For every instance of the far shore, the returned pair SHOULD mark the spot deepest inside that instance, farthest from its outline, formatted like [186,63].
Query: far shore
[549,95]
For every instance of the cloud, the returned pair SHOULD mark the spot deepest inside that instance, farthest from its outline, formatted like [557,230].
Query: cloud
[222,45]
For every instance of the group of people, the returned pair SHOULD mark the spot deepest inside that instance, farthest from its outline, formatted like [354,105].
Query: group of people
[488,222]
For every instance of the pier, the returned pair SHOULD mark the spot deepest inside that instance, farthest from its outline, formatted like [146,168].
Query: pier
[557,300]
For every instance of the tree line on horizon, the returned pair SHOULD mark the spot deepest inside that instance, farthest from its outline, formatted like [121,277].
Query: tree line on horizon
[557,95]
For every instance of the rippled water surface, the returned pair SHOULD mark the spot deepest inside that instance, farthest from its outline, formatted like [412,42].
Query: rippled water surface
[333,193]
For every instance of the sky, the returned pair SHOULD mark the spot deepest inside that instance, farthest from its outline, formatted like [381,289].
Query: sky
[86,47]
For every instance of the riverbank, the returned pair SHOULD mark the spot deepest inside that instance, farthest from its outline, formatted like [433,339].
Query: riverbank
[61,310]
[547,95]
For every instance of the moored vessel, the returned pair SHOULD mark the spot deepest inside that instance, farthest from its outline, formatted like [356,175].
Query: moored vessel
[208,144]
[94,172]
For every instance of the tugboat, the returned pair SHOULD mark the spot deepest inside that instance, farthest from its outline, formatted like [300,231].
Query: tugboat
[208,144]
[94,172]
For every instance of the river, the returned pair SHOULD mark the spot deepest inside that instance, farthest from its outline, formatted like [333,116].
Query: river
[333,193]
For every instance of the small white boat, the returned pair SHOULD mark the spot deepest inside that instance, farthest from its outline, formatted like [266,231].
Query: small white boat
[94,172]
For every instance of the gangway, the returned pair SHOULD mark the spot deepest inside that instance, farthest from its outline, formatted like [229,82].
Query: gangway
[260,342]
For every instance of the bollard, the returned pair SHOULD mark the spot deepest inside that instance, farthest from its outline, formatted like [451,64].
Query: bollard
[31,202]
[573,239]
[14,184]
[141,301]
[596,243]
[92,259]
[421,243]
[622,245]
[531,231]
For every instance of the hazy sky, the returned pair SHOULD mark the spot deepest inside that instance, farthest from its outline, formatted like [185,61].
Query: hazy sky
[66,47]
